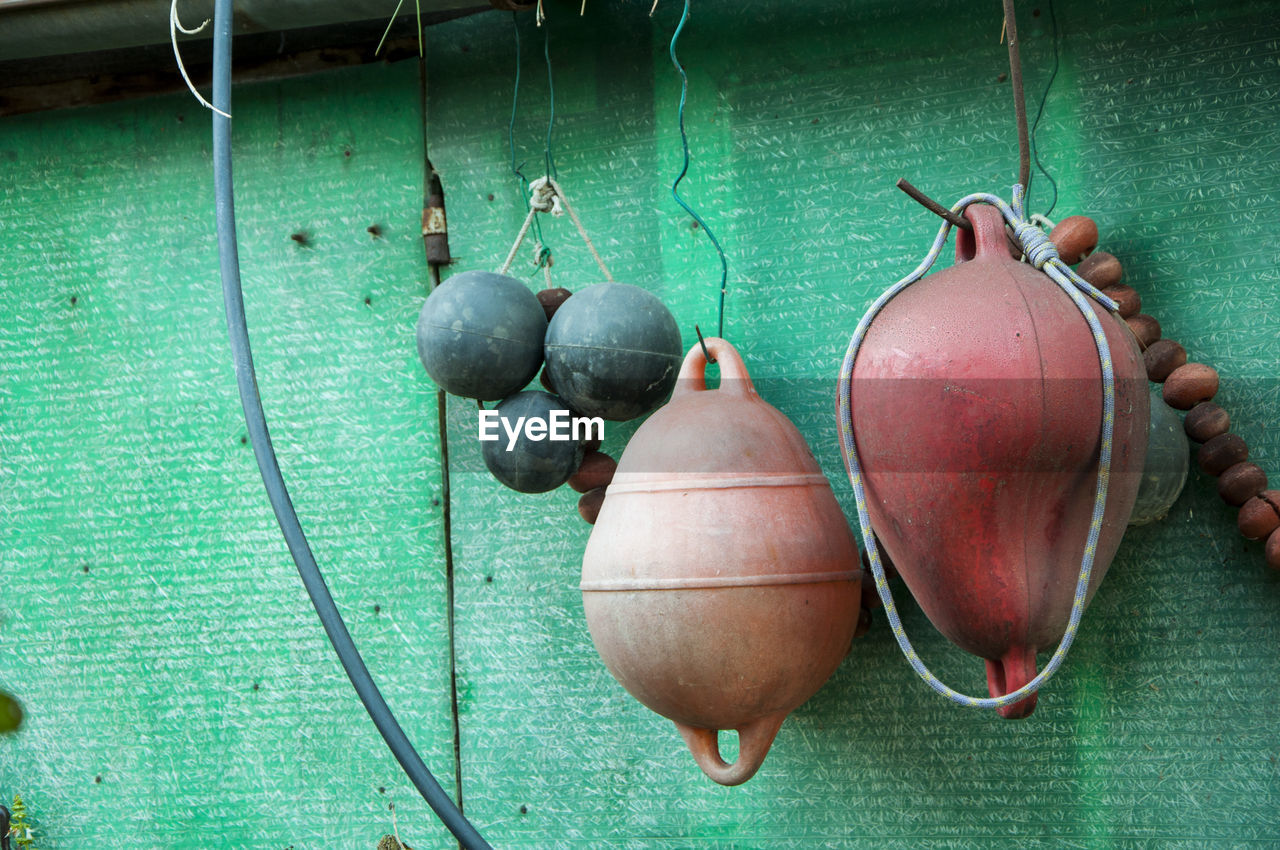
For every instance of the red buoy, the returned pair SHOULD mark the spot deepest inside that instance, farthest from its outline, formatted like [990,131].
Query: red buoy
[976,407]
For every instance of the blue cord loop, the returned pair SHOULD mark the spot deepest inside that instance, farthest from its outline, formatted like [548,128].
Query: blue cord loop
[1045,257]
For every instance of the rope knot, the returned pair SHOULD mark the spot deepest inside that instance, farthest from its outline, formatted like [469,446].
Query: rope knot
[1035,244]
[544,198]
[541,256]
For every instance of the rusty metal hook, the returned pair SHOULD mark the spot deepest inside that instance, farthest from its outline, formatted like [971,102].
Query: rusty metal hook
[933,206]
[1019,100]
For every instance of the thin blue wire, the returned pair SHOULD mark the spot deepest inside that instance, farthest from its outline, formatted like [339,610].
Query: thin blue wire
[684,169]
[551,89]
[1035,150]
[511,145]
[515,102]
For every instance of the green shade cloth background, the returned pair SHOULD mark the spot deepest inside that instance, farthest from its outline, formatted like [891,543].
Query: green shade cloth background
[178,688]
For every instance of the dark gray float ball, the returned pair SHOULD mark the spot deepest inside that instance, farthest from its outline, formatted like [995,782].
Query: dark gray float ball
[531,466]
[613,350]
[480,335]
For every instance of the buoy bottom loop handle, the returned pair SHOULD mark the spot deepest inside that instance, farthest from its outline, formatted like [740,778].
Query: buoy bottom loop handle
[754,740]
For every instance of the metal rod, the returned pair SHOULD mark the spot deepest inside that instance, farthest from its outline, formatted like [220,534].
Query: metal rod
[435,240]
[933,206]
[1019,100]
[703,343]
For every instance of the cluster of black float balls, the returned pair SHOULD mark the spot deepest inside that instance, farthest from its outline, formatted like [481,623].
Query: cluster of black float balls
[611,350]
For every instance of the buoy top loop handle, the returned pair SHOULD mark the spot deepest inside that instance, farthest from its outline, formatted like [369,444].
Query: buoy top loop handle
[734,378]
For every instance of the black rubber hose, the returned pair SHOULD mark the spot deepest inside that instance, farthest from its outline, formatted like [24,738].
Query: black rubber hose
[233,298]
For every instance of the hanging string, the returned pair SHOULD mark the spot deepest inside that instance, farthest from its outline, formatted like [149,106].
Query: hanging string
[551,91]
[515,105]
[394,14]
[684,169]
[1044,256]
[1035,151]
[418,6]
[511,141]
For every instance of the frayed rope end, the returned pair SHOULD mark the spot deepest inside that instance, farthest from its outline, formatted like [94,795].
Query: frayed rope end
[174,26]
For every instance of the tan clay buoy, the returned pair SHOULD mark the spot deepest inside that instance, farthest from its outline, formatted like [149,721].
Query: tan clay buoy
[721,581]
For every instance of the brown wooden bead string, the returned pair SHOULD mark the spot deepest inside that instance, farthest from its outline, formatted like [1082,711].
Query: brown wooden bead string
[590,504]
[1075,237]
[1221,453]
[592,480]
[1128,301]
[595,471]
[1102,270]
[1273,551]
[1162,357]
[1145,328]
[551,299]
[1260,516]
[1206,421]
[1241,482]
[1190,384]
[1186,386]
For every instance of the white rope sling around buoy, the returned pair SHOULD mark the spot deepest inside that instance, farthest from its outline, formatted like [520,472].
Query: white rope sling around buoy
[1042,254]
[546,196]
